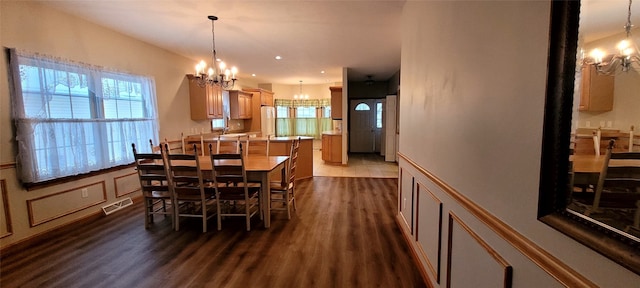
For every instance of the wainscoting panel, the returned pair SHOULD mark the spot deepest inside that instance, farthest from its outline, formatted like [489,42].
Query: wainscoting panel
[488,268]
[406,197]
[126,184]
[429,229]
[6,227]
[60,204]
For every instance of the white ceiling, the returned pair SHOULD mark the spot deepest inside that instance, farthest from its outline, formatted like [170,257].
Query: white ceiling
[601,18]
[311,36]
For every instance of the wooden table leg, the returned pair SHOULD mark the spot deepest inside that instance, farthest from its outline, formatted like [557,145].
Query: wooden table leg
[266,199]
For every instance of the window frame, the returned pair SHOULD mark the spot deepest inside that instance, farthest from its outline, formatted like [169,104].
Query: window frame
[42,160]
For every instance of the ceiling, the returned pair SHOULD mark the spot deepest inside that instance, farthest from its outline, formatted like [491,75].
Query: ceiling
[601,18]
[310,36]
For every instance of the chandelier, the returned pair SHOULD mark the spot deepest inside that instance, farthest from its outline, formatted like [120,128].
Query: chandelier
[300,96]
[626,56]
[215,76]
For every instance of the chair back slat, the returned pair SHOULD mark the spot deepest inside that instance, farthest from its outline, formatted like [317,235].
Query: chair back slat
[151,170]
[186,174]
[227,145]
[229,168]
[258,147]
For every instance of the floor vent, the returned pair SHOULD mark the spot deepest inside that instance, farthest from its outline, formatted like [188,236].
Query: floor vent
[113,207]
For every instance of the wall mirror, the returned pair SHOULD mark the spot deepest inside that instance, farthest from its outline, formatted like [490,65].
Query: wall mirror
[571,166]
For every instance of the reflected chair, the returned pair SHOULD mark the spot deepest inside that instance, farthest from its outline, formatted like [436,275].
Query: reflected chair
[284,191]
[156,193]
[619,183]
[236,197]
[193,194]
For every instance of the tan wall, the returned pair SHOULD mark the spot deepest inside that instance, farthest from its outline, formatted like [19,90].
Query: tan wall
[28,26]
[473,82]
[315,91]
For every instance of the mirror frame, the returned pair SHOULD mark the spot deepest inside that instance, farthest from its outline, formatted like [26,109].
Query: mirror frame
[554,170]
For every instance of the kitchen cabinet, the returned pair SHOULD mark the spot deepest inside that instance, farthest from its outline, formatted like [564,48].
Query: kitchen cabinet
[240,104]
[336,102]
[264,97]
[332,147]
[205,102]
[261,98]
[597,90]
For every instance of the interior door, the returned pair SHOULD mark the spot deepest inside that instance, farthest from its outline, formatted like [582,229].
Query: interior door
[362,131]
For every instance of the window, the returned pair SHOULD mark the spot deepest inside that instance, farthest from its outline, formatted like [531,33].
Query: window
[379,115]
[73,118]
[282,112]
[362,107]
[306,112]
[326,112]
[217,124]
[308,117]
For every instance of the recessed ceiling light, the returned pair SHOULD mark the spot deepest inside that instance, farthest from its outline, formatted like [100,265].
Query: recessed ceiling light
[278,57]
[322,72]
[254,75]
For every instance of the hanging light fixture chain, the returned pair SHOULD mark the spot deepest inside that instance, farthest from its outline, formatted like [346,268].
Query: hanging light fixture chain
[213,43]
[628,26]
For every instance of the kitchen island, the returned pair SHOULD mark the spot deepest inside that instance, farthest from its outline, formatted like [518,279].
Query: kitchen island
[332,147]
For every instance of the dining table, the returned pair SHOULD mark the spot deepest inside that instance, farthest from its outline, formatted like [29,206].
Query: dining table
[259,168]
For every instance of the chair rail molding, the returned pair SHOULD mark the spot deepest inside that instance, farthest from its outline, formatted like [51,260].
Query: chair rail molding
[543,259]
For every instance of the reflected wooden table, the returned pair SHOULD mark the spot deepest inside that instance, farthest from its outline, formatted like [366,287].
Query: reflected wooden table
[587,168]
[587,163]
[594,163]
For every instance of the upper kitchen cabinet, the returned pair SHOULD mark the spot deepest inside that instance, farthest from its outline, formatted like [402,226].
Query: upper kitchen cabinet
[240,104]
[336,102]
[597,90]
[264,97]
[205,102]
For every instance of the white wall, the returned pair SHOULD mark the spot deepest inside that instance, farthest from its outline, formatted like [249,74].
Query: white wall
[473,83]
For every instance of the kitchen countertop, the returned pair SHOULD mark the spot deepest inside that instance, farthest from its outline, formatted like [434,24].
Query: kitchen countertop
[332,132]
[233,135]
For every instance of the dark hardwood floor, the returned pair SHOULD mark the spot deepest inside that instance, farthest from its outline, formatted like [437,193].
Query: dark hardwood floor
[342,235]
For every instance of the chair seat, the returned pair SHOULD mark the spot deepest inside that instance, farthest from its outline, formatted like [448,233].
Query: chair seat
[158,194]
[278,185]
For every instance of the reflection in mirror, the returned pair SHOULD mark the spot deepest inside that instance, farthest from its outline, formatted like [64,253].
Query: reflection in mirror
[605,117]
[578,127]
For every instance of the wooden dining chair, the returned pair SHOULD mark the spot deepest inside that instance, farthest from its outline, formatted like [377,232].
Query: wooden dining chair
[194,141]
[258,146]
[619,183]
[176,146]
[193,194]
[155,148]
[236,197]
[283,191]
[156,192]
[227,145]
